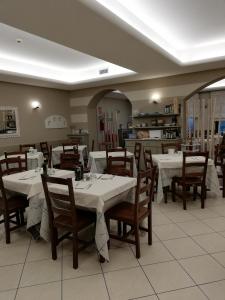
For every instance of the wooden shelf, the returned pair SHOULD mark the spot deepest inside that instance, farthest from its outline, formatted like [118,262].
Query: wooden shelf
[156,127]
[155,115]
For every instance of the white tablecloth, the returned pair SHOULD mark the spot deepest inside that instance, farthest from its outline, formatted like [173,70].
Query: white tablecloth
[33,160]
[30,184]
[97,161]
[170,165]
[82,149]
[102,194]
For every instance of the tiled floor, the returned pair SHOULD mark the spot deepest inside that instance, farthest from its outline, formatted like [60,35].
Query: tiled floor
[186,261]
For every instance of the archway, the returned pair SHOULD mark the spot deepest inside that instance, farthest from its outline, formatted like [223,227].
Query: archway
[204,114]
[107,111]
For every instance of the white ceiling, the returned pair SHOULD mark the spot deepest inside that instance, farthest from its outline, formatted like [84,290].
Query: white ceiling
[75,35]
[190,31]
[30,55]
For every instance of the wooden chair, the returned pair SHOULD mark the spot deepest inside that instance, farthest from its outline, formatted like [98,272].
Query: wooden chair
[11,165]
[104,146]
[137,154]
[92,145]
[50,163]
[69,161]
[114,150]
[149,165]
[134,213]
[75,140]
[63,214]
[166,146]
[45,149]
[11,206]
[120,166]
[23,159]
[219,161]
[26,147]
[73,148]
[193,175]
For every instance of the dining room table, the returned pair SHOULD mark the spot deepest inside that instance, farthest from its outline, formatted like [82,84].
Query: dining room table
[56,152]
[170,165]
[34,159]
[97,161]
[97,193]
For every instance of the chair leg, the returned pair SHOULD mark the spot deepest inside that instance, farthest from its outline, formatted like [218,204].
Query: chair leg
[165,194]
[18,218]
[173,186]
[119,227]
[203,193]
[149,230]
[54,238]
[223,180]
[184,197]
[108,228]
[137,241]
[75,251]
[195,189]
[22,222]
[7,228]
[124,229]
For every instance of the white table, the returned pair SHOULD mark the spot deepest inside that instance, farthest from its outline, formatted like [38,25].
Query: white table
[103,194]
[170,165]
[97,161]
[33,160]
[30,184]
[56,152]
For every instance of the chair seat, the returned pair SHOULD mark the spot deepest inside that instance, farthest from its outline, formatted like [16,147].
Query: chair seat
[15,202]
[84,219]
[124,211]
[188,180]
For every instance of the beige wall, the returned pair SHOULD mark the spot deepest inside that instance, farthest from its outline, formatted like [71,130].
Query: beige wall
[32,127]
[139,93]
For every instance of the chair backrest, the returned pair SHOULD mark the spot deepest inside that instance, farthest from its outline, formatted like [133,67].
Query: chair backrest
[26,147]
[75,140]
[3,197]
[70,148]
[148,159]
[195,165]
[166,146]
[50,164]
[92,145]
[121,166]
[44,148]
[114,150]
[11,165]
[105,145]
[60,204]
[69,161]
[137,154]
[219,155]
[23,158]
[145,185]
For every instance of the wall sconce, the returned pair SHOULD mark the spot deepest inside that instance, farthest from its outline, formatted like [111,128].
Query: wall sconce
[155,98]
[35,104]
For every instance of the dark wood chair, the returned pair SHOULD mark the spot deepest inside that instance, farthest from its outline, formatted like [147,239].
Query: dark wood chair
[26,147]
[120,166]
[149,165]
[193,175]
[114,150]
[71,148]
[92,145]
[11,165]
[137,154]
[219,161]
[134,213]
[69,161]
[166,146]
[75,140]
[45,149]
[12,206]
[63,214]
[50,163]
[105,145]
[23,159]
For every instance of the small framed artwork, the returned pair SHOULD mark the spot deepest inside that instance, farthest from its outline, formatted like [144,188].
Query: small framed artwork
[9,122]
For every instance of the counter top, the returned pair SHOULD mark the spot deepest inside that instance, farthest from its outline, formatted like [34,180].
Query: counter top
[149,139]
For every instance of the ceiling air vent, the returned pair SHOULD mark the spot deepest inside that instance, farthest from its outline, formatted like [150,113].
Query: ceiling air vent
[103,71]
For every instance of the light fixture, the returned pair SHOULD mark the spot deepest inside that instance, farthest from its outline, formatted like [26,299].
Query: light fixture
[35,104]
[155,98]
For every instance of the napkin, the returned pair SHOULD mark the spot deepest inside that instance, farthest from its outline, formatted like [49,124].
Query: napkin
[82,185]
[107,176]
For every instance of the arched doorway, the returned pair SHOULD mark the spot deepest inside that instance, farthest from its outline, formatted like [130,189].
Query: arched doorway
[108,111]
[204,114]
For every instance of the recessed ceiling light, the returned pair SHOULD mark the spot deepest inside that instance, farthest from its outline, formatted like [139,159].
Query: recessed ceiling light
[19,41]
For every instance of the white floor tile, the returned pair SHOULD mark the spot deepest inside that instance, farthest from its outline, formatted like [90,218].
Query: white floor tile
[13,254]
[192,293]
[215,290]
[203,269]
[169,231]
[128,284]
[217,224]
[195,227]
[212,242]
[167,276]
[9,295]
[50,291]
[85,288]
[10,276]
[183,248]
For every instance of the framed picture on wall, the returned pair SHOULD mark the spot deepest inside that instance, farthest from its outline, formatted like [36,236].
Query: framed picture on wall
[9,122]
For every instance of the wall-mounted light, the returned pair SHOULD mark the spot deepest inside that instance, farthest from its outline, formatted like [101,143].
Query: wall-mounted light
[35,104]
[155,98]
